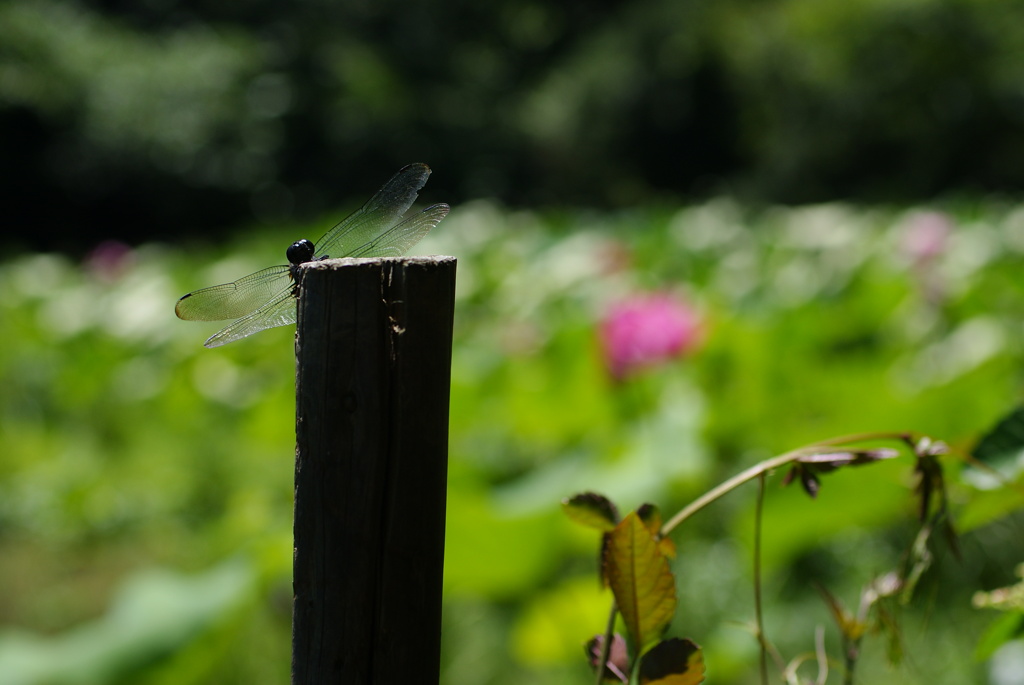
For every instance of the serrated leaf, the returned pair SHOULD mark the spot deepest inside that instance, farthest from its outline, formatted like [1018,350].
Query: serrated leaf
[651,516]
[592,510]
[672,662]
[667,547]
[641,580]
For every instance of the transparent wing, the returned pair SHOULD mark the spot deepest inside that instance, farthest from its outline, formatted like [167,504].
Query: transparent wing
[375,217]
[281,311]
[397,240]
[232,300]
[264,299]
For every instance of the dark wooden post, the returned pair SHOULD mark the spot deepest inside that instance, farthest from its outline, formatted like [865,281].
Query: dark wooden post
[373,358]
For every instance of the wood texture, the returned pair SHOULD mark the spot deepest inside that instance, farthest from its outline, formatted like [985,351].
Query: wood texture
[373,363]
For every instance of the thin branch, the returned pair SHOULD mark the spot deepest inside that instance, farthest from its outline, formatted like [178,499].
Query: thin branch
[728,486]
[765,467]
[758,611]
[760,471]
[854,438]
[606,646]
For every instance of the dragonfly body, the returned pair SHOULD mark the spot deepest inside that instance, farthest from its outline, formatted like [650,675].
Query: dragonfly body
[298,253]
[267,298]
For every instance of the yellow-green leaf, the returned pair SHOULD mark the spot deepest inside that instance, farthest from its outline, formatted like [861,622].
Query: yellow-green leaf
[591,509]
[672,662]
[651,516]
[641,580]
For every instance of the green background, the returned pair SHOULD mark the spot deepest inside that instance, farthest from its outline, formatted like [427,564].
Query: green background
[145,497]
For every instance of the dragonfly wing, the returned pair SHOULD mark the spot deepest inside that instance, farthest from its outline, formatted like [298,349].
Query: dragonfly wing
[397,240]
[281,311]
[232,300]
[264,299]
[376,216]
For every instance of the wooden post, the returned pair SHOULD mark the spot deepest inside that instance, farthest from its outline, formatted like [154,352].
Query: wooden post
[373,366]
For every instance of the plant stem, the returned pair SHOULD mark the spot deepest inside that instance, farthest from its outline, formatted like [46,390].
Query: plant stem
[758,610]
[769,465]
[759,471]
[606,646]
[728,486]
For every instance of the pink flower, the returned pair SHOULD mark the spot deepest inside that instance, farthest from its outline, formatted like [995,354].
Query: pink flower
[109,260]
[646,330]
[925,239]
[926,236]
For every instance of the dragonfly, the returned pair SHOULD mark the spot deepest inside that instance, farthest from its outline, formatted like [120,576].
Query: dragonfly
[268,298]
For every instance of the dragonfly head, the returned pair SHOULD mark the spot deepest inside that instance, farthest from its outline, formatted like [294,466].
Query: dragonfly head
[300,251]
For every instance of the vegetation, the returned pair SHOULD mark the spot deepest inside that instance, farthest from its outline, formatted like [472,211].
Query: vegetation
[156,119]
[145,482]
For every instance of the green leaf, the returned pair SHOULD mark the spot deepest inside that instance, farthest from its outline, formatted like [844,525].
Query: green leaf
[1005,628]
[591,509]
[640,578]
[985,506]
[651,516]
[1006,437]
[672,662]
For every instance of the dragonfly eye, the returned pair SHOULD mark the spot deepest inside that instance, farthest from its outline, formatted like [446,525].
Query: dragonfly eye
[299,252]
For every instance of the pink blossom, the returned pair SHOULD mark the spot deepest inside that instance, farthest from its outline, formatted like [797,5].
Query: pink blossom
[926,236]
[647,330]
[109,260]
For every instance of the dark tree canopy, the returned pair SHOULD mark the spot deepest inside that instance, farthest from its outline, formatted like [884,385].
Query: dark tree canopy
[188,117]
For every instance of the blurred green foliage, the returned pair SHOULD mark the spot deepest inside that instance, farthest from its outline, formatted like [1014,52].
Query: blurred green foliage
[158,118]
[127,446]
